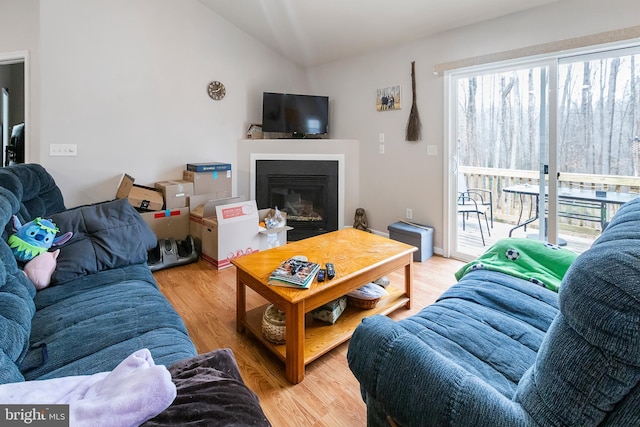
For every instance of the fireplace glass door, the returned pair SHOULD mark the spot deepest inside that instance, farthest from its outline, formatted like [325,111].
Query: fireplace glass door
[305,190]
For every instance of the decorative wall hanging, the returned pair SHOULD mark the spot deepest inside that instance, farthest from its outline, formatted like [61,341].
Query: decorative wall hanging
[388,98]
[414,127]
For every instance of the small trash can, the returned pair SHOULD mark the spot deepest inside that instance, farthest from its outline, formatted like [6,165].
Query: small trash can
[420,236]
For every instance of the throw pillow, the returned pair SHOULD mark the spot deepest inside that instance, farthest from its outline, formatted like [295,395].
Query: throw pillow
[105,236]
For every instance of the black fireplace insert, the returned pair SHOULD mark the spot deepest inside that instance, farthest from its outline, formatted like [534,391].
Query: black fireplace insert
[307,190]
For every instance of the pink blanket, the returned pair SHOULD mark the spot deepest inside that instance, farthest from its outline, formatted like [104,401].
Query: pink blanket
[134,392]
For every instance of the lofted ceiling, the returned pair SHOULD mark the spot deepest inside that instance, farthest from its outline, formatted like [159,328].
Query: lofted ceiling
[313,32]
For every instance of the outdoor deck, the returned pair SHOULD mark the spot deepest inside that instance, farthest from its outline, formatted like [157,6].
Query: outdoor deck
[469,240]
[579,226]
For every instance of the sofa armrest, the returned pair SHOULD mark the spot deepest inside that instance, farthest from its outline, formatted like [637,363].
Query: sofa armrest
[415,385]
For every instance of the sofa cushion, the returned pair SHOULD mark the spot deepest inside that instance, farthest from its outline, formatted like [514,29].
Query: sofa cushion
[482,334]
[589,361]
[105,236]
[90,324]
[491,324]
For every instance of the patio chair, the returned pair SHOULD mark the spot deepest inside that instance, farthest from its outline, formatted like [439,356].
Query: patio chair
[485,197]
[470,202]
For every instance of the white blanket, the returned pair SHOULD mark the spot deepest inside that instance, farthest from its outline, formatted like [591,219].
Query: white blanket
[134,392]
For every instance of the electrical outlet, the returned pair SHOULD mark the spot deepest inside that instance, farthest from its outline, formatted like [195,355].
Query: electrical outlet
[381,137]
[409,214]
[381,149]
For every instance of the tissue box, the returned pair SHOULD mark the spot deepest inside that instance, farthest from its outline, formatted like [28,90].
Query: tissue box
[331,311]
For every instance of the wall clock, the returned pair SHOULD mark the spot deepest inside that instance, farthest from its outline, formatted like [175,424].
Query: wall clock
[216,90]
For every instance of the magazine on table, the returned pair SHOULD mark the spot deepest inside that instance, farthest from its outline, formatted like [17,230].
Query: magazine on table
[294,273]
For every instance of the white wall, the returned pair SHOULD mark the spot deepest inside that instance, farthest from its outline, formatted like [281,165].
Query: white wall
[126,81]
[20,32]
[405,177]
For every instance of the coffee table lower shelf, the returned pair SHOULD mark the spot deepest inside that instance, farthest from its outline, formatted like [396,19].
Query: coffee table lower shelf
[321,337]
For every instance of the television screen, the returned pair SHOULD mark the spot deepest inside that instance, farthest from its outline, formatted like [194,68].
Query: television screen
[299,115]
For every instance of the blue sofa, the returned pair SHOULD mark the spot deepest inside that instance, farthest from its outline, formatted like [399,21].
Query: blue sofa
[103,305]
[499,350]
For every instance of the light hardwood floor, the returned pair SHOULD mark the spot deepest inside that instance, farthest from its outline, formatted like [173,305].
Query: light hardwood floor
[329,394]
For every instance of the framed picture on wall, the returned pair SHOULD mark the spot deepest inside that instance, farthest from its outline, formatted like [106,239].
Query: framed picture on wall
[388,98]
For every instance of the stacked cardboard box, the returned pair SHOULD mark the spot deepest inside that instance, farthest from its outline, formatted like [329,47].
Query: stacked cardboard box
[176,193]
[209,178]
[168,223]
[233,232]
[200,205]
[145,198]
[204,206]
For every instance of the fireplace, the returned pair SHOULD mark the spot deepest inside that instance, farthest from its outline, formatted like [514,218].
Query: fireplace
[307,190]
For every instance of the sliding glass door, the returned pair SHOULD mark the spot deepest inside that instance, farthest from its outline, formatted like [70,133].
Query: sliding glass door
[598,138]
[547,149]
[500,157]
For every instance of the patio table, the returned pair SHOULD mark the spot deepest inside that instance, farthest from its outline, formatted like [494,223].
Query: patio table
[589,199]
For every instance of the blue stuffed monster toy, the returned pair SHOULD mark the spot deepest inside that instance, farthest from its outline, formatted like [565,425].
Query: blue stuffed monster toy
[34,238]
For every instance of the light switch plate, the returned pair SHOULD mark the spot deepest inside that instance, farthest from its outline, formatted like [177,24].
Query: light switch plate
[63,150]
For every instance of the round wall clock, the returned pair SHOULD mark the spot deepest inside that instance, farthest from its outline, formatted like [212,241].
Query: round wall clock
[216,90]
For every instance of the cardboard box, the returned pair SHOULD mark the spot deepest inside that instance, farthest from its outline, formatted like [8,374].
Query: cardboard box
[168,223]
[232,233]
[216,182]
[141,197]
[176,193]
[255,131]
[202,206]
[208,167]
[273,237]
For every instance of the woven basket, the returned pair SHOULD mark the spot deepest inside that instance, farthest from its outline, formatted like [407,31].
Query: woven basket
[362,303]
[273,325]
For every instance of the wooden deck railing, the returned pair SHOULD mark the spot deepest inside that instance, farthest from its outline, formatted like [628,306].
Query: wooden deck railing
[507,206]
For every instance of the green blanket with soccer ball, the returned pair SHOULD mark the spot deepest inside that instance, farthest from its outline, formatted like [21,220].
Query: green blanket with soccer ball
[541,263]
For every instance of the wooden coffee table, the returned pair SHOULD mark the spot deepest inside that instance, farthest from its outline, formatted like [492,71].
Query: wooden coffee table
[359,258]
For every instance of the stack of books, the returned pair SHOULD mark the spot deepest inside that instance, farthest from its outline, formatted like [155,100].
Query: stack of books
[294,273]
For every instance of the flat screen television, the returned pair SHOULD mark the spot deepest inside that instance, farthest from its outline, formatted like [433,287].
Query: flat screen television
[301,116]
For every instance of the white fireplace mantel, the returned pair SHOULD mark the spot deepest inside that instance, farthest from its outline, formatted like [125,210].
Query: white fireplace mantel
[344,151]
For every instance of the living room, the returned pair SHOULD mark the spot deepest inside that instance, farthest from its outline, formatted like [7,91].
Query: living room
[126,82]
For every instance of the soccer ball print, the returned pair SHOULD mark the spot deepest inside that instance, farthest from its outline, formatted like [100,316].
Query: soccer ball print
[512,254]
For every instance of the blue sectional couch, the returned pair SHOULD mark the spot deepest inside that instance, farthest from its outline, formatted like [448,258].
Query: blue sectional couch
[103,305]
[497,349]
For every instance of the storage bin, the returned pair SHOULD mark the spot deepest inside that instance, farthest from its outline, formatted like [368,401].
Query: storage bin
[420,236]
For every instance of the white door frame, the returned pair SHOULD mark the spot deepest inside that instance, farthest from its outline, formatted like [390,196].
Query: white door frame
[9,58]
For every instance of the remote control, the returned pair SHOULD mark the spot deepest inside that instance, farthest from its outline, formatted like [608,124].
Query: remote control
[331,273]
[321,273]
